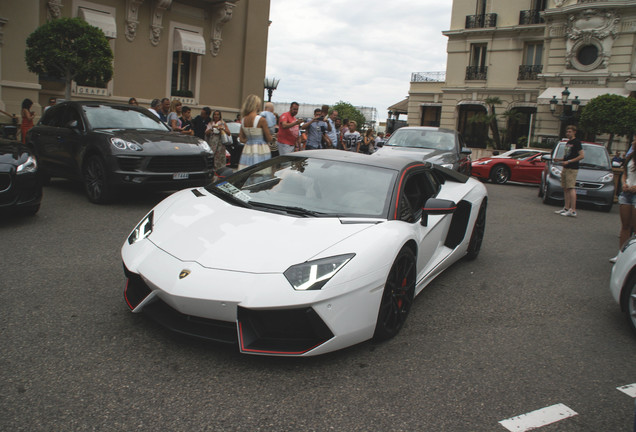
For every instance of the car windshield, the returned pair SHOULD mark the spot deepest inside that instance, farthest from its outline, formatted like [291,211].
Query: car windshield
[595,156]
[422,138]
[115,117]
[312,187]
[518,154]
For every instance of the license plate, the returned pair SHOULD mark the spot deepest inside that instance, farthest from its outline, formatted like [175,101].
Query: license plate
[581,192]
[180,176]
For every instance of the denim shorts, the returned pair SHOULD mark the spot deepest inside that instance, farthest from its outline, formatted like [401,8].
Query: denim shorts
[627,198]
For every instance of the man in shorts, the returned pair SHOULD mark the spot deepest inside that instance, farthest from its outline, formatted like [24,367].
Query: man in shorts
[572,155]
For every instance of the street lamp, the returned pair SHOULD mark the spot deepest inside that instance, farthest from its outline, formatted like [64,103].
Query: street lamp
[270,85]
[574,105]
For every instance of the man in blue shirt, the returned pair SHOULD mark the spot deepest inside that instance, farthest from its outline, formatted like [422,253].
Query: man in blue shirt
[316,131]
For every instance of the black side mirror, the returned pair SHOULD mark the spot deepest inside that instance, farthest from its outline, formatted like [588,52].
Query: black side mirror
[436,206]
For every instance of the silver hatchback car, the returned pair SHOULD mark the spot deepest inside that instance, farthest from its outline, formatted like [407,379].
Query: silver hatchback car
[594,183]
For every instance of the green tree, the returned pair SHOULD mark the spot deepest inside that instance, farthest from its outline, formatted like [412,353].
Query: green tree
[609,114]
[348,111]
[70,49]
[490,119]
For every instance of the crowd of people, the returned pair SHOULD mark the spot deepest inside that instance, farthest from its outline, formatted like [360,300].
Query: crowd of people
[264,133]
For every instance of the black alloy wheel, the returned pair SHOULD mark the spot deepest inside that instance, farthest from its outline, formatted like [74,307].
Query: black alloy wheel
[397,297]
[96,181]
[477,237]
[500,174]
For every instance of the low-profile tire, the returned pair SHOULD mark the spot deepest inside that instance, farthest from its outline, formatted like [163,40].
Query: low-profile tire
[629,301]
[397,297]
[477,237]
[30,211]
[96,185]
[499,174]
[545,197]
[540,193]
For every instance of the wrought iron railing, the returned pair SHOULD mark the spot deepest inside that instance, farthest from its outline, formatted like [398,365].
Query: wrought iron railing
[529,72]
[481,21]
[476,72]
[428,77]
[531,16]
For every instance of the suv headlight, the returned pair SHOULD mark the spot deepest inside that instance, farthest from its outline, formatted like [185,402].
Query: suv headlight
[143,229]
[204,145]
[313,275]
[29,166]
[121,144]
[555,171]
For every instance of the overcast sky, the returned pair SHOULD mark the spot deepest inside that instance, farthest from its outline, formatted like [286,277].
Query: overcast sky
[358,51]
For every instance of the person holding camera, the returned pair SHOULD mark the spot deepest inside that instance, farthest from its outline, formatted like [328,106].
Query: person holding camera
[316,131]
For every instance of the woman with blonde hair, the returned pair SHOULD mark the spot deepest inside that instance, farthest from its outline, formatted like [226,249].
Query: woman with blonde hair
[175,113]
[254,133]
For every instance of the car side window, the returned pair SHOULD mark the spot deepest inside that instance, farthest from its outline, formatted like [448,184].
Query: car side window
[52,116]
[70,117]
[418,188]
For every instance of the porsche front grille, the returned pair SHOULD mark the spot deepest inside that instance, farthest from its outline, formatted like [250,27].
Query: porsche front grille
[171,164]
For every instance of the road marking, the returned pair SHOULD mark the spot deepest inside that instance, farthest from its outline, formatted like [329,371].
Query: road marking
[629,390]
[538,418]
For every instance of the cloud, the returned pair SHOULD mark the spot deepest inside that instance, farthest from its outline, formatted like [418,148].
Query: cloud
[357,51]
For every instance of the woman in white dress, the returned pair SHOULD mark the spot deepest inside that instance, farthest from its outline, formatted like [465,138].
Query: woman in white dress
[254,133]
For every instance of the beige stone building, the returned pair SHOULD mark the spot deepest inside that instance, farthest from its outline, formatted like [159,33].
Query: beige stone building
[526,53]
[208,52]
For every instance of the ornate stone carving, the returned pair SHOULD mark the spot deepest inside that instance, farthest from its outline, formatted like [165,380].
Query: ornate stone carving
[593,27]
[54,9]
[132,18]
[157,20]
[224,16]
[559,3]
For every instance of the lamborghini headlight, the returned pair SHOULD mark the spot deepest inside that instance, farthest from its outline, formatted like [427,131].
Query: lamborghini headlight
[313,275]
[142,230]
[29,166]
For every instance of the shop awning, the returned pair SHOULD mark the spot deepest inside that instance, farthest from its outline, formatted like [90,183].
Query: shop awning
[584,93]
[102,20]
[401,107]
[188,41]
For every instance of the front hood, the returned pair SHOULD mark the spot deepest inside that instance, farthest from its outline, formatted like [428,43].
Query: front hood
[218,235]
[421,154]
[591,175]
[153,140]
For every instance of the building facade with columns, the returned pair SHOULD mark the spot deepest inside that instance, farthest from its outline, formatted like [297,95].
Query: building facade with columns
[527,54]
[204,52]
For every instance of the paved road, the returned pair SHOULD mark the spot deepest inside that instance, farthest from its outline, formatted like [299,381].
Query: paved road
[528,325]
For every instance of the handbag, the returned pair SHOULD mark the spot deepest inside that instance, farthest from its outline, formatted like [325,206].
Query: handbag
[225,139]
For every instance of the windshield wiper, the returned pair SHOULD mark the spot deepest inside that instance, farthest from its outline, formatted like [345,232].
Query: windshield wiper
[227,196]
[591,165]
[298,211]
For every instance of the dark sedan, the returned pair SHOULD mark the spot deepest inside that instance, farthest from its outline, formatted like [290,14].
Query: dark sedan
[110,146]
[20,185]
[440,146]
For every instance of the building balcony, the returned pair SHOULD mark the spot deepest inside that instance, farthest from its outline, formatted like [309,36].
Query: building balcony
[428,77]
[529,72]
[530,17]
[481,21]
[476,72]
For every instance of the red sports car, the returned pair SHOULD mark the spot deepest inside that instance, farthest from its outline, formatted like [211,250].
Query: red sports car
[520,165]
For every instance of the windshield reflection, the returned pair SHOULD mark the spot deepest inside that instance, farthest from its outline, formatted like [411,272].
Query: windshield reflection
[322,187]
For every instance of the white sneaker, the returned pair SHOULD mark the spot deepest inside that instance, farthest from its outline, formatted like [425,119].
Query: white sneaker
[569,213]
[613,260]
[563,210]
